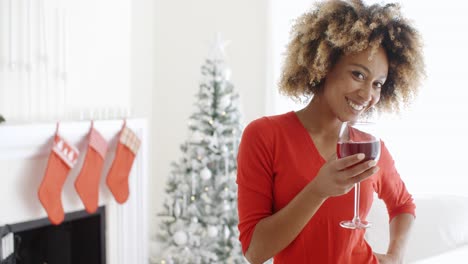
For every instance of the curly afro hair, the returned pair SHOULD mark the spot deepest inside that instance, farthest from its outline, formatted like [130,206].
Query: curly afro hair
[335,28]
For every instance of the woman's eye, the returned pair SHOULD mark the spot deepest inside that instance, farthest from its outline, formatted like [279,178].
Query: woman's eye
[358,75]
[378,85]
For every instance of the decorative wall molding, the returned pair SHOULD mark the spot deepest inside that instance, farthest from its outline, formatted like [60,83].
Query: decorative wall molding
[61,57]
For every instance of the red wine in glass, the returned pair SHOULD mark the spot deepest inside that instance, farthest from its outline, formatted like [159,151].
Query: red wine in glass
[354,138]
[371,150]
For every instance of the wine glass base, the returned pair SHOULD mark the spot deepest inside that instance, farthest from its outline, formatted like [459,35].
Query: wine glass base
[355,224]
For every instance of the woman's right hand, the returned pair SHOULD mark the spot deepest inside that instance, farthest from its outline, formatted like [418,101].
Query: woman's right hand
[338,176]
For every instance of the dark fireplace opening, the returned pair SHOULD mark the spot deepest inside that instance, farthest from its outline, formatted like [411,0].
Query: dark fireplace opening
[80,239]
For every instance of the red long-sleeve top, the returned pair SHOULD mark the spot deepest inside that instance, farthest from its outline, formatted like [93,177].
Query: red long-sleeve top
[277,158]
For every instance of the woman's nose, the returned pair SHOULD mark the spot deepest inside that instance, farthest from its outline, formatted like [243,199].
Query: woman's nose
[365,92]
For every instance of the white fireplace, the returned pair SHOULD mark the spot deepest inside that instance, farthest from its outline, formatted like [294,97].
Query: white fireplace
[24,151]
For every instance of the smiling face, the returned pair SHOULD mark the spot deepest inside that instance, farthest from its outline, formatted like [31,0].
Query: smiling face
[353,85]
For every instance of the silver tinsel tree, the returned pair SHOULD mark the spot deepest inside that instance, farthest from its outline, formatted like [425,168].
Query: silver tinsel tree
[199,219]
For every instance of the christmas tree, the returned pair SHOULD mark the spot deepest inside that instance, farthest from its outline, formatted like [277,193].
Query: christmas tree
[199,219]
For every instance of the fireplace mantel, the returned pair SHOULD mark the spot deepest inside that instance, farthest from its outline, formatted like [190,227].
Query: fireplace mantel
[24,150]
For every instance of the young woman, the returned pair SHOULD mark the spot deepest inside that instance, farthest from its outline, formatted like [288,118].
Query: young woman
[351,60]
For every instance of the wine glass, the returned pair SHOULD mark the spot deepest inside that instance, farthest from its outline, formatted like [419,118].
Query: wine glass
[358,137]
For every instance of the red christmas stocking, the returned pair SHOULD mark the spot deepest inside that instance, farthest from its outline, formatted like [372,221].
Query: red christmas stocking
[117,178]
[87,182]
[61,159]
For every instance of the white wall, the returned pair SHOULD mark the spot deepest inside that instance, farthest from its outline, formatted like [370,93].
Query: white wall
[183,35]
[142,80]
[429,140]
[99,54]
[283,15]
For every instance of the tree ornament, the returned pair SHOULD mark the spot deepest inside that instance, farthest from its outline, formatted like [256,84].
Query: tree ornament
[224,149]
[218,47]
[205,174]
[205,198]
[197,137]
[168,260]
[225,101]
[177,209]
[227,232]
[212,231]
[180,238]
[226,206]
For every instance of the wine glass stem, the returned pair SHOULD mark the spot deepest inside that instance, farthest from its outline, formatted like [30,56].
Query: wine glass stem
[357,191]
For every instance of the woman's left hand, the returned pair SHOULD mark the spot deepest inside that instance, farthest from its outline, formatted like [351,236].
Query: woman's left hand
[387,258]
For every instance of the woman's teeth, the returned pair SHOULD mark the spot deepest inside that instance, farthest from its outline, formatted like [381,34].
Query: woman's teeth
[356,106]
